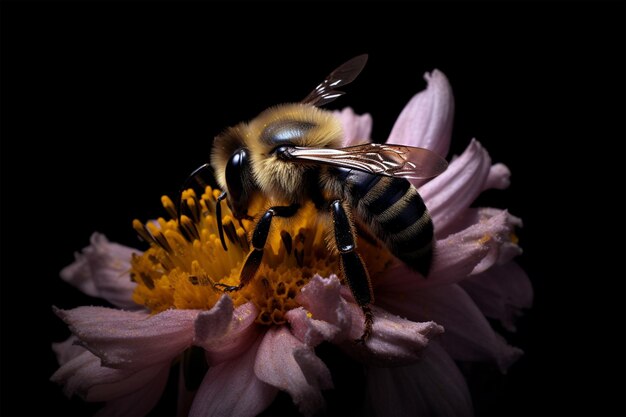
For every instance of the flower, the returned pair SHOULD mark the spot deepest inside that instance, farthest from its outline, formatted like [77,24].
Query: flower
[261,339]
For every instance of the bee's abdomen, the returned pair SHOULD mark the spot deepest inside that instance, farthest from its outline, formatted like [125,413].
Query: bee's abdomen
[395,213]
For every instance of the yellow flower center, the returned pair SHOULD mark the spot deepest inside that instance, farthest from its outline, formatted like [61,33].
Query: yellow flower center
[184,262]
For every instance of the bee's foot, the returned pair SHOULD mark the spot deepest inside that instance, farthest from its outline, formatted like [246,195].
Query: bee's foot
[226,288]
[367,331]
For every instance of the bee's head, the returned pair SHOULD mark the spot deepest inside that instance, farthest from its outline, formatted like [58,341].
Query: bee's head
[285,126]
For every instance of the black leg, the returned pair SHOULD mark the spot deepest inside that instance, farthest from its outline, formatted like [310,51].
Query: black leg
[352,265]
[259,237]
[218,218]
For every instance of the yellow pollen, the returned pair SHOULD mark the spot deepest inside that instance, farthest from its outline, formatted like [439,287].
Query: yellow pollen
[186,259]
[514,238]
[484,239]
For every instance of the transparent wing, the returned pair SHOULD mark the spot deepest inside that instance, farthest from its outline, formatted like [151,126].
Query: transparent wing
[325,92]
[380,159]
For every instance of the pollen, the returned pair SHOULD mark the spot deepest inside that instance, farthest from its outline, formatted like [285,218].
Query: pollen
[483,240]
[185,258]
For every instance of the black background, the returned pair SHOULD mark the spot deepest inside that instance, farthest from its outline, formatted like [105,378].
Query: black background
[107,106]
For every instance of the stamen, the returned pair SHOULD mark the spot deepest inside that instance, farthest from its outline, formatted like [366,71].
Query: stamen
[147,280]
[193,208]
[286,238]
[189,229]
[169,206]
[162,241]
[187,267]
[299,254]
[280,288]
[229,229]
[143,232]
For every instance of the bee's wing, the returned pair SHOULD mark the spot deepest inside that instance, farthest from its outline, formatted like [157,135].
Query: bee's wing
[380,159]
[325,92]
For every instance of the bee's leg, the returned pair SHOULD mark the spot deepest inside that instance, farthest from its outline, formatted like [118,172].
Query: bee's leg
[259,237]
[352,265]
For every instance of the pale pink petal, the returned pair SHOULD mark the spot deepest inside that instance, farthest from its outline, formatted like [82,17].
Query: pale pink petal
[309,331]
[498,178]
[116,388]
[67,350]
[322,298]
[214,323]
[231,342]
[431,387]
[473,216]
[394,341]
[357,128]
[131,339]
[85,376]
[468,336]
[232,388]
[449,194]
[102,270]
[426,120]
[139,402]
[501,292]
[398,277]
[278,364]
[486,241]
[75,374]
[314,370]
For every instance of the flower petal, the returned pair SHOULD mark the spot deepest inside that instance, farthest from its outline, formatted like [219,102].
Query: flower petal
[84,375]
[139,402]
[357,128]
[309,331]
[484,242]
[498,178]
[431,387]
[281,363]
[394,341]
[501,292]
[468,336]
[476,248]
[102,270]
[322,297]
[67,350]
[232,388]
[314,370]
[214,323]
[426,121]
[449,194]
[131,340]
[231,341]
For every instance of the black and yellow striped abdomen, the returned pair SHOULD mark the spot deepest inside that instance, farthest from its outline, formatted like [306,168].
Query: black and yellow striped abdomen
[394,212]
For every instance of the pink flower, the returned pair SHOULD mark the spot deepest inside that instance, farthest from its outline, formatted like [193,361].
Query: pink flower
[262,339]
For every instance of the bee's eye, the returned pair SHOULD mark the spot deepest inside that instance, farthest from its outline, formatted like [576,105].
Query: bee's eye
[235,169]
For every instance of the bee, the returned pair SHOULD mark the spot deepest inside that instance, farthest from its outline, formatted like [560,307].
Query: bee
[291,153]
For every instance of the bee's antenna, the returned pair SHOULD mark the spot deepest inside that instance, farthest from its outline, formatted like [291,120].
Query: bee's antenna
[218,207]
[191,177]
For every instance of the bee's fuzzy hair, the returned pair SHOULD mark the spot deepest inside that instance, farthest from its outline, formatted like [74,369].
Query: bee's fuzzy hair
[276,178]
[280,178]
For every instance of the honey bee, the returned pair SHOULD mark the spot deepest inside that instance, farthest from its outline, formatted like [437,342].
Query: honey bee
[291,153]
